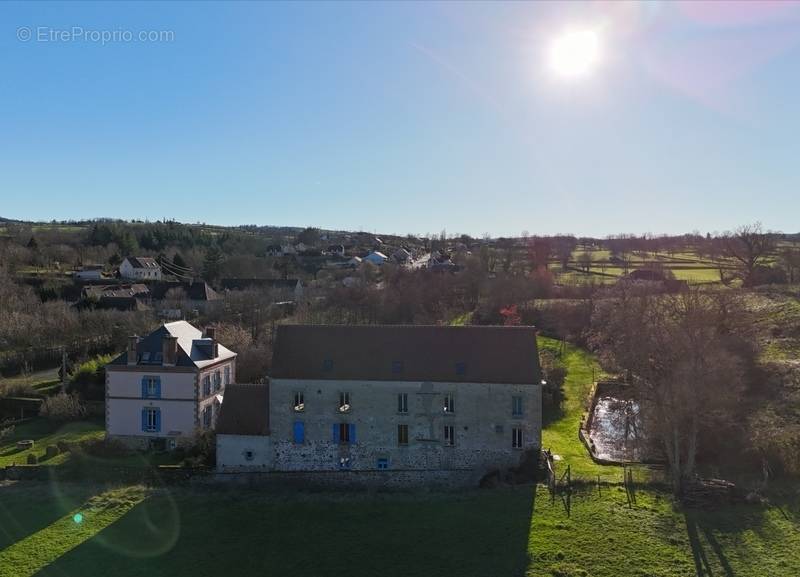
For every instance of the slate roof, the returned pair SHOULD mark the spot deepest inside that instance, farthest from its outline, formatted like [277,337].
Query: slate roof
[269,283]
[116,291]
[194,291]
[476,354]
[193,349]
[245,410]
[143,262]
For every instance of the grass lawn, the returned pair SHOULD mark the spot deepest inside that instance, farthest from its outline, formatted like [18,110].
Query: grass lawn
[45,432]
[561,431]
[506,533]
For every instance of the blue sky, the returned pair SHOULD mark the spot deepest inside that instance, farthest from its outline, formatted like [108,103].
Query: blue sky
[405,117]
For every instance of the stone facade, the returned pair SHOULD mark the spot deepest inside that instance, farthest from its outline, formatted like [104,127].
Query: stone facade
[482,421]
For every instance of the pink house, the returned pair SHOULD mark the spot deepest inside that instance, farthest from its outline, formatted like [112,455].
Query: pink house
[167,386]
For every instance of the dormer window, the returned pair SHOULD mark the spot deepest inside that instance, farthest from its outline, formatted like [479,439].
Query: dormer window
[344,402]
[299,402]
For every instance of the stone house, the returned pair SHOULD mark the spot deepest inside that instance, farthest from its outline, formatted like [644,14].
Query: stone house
[411,398]
[167,386]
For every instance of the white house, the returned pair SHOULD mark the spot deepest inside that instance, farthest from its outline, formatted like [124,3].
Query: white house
[167,386]
[140,268]
[376,258]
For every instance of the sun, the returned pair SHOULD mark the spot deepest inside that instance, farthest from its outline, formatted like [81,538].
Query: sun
[574,53]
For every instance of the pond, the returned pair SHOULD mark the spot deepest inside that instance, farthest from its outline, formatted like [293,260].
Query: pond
[616,429]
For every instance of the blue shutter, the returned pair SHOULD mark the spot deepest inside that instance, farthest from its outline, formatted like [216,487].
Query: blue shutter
[144,419]
[352,433]
[158,387]
[158,420]
[144,388]
[299,432]
[335,433]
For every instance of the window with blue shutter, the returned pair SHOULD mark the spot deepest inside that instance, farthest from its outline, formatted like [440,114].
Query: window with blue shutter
[151,420]
[151,387]
[299,432]
[352,433]
[336,433]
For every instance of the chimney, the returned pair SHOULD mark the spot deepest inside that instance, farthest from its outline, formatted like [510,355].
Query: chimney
[169,350]
[133,356]
[211,333]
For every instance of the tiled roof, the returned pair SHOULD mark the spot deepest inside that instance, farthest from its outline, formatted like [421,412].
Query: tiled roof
[407,353]
[245,410]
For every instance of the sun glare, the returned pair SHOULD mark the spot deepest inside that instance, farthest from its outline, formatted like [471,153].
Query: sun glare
[574,53]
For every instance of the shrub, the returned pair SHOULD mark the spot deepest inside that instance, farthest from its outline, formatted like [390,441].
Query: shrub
[63,407]
[89,378]
[6,431]
[204,452]
[32,459]
[105,448]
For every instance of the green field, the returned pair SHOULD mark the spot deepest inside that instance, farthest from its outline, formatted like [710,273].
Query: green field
[55,529]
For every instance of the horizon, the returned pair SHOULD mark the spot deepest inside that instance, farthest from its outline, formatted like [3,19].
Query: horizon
[473,117]
[427,234]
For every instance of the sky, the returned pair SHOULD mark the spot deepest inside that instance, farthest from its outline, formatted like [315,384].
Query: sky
[403,117]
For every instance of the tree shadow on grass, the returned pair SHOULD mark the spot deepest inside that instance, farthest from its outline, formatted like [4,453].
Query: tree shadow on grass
[254,530]
[703,568]
[27,508]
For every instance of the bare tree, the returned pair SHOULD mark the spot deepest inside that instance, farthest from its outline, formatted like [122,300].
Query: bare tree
[748,247]
[678,354]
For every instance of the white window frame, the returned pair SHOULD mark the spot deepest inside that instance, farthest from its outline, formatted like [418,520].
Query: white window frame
[402,403]
[517,438]
[208,410]
[449,404]
[151,413]
[449,436]
[515,400]
[344,402]
[151,388]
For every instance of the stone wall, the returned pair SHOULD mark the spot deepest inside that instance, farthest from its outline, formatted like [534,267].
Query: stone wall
[482,423]
[356,480]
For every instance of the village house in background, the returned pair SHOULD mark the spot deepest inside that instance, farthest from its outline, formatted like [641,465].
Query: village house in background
[411,398]
[140,268]
[167,386]
[89,272]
